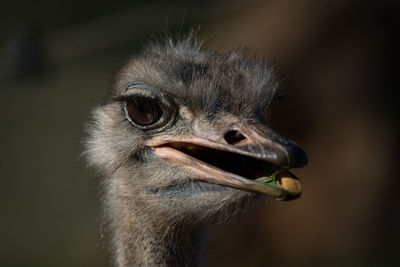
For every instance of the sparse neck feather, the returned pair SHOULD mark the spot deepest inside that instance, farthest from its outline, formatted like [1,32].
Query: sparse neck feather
[140,240]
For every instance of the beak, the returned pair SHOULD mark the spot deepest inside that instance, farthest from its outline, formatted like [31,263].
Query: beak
[240,156]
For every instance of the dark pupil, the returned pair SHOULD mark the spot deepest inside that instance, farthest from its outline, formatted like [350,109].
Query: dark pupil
[143,111]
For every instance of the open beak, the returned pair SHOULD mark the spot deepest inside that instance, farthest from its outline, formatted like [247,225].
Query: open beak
[239,157]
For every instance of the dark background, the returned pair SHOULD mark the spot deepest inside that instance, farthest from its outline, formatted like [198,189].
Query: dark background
[338,62]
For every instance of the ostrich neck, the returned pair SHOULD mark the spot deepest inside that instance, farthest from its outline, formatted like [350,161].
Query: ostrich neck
[140,239]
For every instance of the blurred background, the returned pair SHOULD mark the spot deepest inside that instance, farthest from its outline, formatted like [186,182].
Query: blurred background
[338,62]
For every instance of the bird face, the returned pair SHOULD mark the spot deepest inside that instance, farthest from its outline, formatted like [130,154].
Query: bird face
[184,130]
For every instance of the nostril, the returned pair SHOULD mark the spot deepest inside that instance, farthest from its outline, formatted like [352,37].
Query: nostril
[233,137]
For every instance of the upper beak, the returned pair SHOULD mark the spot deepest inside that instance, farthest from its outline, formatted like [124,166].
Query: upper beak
[237,156]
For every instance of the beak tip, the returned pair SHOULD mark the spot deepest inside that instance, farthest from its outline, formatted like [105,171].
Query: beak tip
[297,157]
[291,197]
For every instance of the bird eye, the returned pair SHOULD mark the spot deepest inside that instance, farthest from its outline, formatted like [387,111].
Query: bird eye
[143,111]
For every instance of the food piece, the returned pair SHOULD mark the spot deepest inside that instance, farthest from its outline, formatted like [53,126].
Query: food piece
[284,179]
[289,182]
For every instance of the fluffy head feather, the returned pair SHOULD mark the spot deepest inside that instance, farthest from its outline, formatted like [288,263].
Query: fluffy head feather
[207,82]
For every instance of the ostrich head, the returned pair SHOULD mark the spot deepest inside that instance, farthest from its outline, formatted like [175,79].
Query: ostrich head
[182,137]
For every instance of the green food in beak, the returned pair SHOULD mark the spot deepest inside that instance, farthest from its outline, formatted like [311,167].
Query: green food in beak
[272,179]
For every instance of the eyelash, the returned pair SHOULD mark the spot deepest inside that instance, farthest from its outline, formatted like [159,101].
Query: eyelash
[124,98]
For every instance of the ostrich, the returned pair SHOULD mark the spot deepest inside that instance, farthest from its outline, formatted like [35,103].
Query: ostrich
[180,143]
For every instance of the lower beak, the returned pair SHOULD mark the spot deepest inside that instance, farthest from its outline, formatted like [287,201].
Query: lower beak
[240,157]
